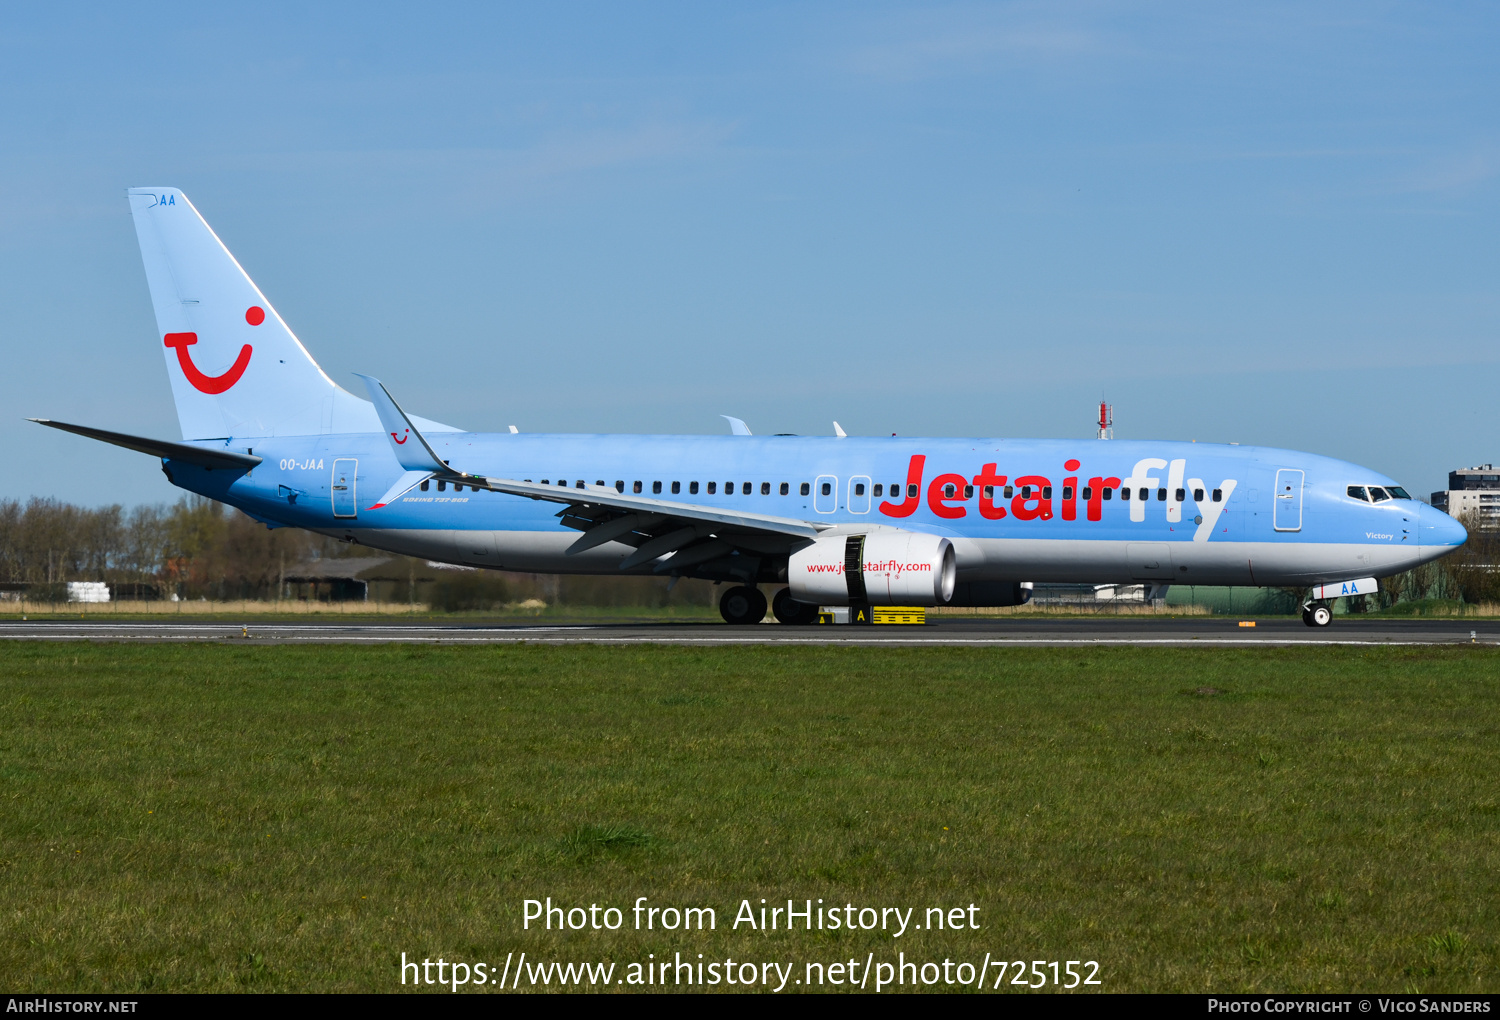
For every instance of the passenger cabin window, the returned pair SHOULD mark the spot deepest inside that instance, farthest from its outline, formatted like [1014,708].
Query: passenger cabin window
[859,488]
[1088,492]
[989,492]
[600,483]
[635,486]
[968,492]
[1067,491]
[1108,493]
[1046,492]
[424,486]
[827,488]
[1025,492]
[1197,495]
[785,488]
[442,486]
[619,485]
[692,488]
[656,488]
[1010,490]
[804,489]
[1218,495]
[676,488]
[729,488]
[1143,495]
[745,489]
[947,491]
[1181,495]
[879,489]
[713,487]
[1124,493]
[911,492]
[1161,495]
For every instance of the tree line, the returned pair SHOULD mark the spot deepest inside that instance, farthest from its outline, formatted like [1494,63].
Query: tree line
[198,548]
[195,548]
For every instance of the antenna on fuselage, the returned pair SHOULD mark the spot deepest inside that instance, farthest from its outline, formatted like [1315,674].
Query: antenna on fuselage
[1106,421]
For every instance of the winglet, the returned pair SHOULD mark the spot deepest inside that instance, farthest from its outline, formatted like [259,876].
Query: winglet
[416,456]
[838,431]
[736,426]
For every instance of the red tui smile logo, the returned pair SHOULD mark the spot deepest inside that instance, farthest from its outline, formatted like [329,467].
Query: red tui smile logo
[206,383]
[403,439]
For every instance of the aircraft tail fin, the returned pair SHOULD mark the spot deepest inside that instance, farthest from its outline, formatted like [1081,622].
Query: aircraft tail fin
[235,366]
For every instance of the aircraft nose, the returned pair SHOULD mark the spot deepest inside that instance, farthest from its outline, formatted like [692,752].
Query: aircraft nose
[1437,528]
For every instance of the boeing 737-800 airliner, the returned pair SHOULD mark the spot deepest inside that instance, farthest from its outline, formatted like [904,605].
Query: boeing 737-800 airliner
[824,521]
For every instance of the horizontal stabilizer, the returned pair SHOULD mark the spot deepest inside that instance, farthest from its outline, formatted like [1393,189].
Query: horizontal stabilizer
[160,447]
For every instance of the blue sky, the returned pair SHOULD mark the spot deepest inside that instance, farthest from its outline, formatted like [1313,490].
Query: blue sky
[1268,224]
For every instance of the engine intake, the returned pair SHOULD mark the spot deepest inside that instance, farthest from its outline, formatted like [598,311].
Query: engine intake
[887,568]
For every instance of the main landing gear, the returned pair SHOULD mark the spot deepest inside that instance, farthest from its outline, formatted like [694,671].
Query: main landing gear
[788,610]
[743,604]
[1317,614]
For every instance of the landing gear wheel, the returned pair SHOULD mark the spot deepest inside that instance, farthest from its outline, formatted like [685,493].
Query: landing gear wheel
[788,610]
[1317,615]
[742,605]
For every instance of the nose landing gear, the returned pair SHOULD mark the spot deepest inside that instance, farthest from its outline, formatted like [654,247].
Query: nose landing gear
[742,604]
[1317,614]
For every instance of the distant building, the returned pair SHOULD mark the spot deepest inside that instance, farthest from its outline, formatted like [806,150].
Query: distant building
[1474,491]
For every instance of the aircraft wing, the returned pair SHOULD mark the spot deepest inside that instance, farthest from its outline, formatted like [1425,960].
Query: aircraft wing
[689,532]
[184,452]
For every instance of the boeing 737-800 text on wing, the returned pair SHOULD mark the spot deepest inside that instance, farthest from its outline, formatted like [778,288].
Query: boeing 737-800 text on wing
[830,521]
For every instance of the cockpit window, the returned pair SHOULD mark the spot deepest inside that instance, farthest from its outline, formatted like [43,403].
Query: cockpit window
[1378,495]
[1358,492]
[1397,492]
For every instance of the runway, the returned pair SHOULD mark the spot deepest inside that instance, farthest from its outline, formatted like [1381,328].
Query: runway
[1014,631]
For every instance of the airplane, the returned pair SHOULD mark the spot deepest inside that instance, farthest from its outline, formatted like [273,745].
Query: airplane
[821,521]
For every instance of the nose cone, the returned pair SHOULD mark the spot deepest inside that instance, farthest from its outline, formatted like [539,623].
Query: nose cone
[1438,529]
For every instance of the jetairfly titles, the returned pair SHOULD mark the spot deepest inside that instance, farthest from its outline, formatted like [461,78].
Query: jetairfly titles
[820,521]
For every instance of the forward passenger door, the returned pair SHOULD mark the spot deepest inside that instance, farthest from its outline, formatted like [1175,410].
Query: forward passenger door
[1286,513]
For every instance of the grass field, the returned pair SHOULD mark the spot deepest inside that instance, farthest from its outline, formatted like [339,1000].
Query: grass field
[262,818]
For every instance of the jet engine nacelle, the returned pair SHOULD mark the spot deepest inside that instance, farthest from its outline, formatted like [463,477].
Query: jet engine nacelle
[887,568]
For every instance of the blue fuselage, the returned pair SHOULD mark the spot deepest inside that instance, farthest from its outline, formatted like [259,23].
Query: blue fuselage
[1026,510]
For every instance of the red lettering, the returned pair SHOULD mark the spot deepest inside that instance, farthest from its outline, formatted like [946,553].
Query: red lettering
[1020,505]
[913,499]
[987,479]
[938,502]
[1096,495]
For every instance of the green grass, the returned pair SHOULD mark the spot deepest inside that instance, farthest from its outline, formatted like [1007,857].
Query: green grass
[263,818]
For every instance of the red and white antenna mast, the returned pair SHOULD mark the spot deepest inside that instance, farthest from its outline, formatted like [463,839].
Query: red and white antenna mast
[1106,421]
